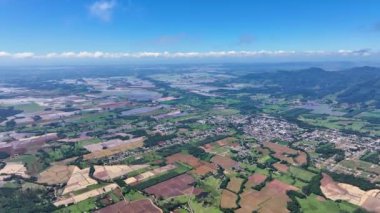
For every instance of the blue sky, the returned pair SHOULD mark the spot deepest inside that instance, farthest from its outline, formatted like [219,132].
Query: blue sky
[292,29]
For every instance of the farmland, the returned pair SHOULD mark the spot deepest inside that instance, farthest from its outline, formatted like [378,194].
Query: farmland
[228,200]
[57,174]
[234,184]
[272,198]
[317,204]
[185,139]
[176,186]
[368,200]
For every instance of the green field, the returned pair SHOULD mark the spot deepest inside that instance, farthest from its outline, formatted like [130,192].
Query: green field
[83,206]
[284,178]
[212,182]
[33,164]
[301,173]
[335,122]
[28,108]
[312,205]
[199,208]
[89,141]
[361,165]
[134,195]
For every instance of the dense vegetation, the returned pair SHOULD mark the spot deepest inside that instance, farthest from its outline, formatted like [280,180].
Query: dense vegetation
[6,112]
[371,157]
[14,200]
[327,150]
[350,179]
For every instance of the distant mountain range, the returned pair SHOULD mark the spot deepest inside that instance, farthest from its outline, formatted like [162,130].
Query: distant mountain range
[360,85]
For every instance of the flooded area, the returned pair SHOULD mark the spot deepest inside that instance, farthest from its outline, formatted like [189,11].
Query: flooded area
[318,108]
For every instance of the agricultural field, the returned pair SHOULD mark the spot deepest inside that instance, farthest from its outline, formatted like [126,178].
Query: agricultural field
[79,179]
[287,154]
[361,166]
[29,108]
[14,168]
[318,204]
[301,174]
[271,198]
[113,150]
[143,205]
[369,200]
[234,184]
[281,167]
[57,174]
[200,138]
[228,200]
[115,171]
[224,162]
[255,180]
[180,185]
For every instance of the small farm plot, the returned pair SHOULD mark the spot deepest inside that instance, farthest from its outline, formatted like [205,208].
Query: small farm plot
[14,168]
[317,204]
[138,206]
[281,167]
[272,198]
[301,174]
[254,180]
[184,158]
[224,162]
[228,200]
[115,171]
[79,179]
[235,184]
[56,174]
[180,185]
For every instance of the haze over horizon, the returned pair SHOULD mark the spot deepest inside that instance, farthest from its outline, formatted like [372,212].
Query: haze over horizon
[130,31]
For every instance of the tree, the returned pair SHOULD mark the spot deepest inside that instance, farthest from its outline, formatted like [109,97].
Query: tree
[4,155]
[10,124]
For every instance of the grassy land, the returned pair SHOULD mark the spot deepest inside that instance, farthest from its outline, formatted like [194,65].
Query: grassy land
[33,164]
[28,108]
[284,178]
[312,205]
[225,112]
[83,206]
[342,123]
[89,188]
[199,208]
[89,141]
[181,168]
[265,159]
[361,165]
[212,182]
[134,195]
[301,173]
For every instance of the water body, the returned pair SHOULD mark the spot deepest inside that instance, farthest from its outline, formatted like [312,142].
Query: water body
[318,108]
[142,110]
[134,94]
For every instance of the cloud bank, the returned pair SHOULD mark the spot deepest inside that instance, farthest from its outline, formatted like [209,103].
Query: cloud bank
[174,55]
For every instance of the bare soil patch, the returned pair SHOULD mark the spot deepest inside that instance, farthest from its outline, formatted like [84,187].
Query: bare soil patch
[180,185]
[369,200]
[224,162]
[272,198]
[57,174]
[235,184]
[228,200]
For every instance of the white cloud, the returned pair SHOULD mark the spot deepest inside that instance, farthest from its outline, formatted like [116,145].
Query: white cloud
[165,54]
[23,55]
[4,54]
[103,9]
